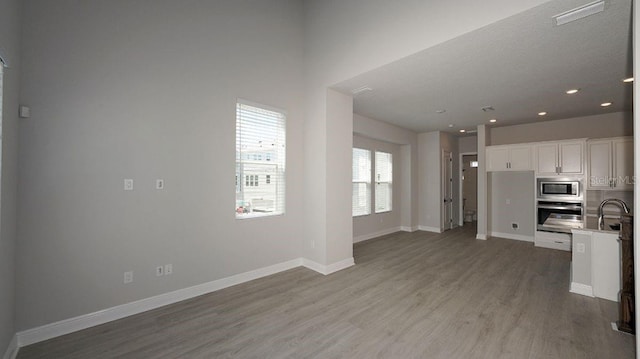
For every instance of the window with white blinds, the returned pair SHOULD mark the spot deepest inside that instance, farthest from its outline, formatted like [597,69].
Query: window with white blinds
[260,160]
[384,181]
[361,181]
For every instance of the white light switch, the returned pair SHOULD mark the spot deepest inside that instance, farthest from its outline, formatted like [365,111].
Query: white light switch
[128,184]
[508,201]
[580,247]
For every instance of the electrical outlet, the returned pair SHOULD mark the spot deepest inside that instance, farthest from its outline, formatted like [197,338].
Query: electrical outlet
[128,277]
[159,271]
[515,225]
[580,247]
[168,269]
[159,183]
[128,184]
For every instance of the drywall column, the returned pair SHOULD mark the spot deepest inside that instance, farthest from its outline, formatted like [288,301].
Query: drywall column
[483,208]
[10,48]
[406,188]
[339,141]
[429,186]
[328,142]
[636,135]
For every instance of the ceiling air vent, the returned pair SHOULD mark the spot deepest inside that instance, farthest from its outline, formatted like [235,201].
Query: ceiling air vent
[579,13]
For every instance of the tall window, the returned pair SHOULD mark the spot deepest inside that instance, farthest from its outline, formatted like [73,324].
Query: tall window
[361,180]
[384,181]
[260,153]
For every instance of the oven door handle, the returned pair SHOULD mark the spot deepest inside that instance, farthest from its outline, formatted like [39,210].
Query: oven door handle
[560,207]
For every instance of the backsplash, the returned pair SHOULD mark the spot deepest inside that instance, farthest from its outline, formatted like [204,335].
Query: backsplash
[612,212]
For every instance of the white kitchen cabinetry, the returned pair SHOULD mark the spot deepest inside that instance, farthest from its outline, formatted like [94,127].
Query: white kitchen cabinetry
[560,158]
[610,163]
[509,158]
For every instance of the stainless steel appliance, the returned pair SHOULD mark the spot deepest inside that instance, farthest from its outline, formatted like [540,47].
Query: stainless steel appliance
[559,216]
[559,188]
[560,205]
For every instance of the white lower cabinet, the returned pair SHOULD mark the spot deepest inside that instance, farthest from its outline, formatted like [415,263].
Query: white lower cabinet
[553,240]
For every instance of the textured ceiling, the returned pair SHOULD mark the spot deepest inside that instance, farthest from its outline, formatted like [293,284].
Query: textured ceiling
[520,66]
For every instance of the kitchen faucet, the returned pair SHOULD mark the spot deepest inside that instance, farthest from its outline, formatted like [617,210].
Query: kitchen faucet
[619,202]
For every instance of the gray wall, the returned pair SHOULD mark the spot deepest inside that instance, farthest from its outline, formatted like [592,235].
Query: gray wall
[9,42]
[518,188]
[377,222]
[147,90]
[467,144]
[405,173]
[597,126]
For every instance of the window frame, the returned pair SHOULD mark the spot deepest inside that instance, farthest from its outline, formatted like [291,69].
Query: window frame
[274,162]
[388,183]
[367,183]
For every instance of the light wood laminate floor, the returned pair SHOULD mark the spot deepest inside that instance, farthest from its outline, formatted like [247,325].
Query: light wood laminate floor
[410,295]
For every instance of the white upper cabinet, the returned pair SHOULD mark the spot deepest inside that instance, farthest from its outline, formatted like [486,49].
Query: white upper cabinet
[509,158]
[610,163]
[559,158]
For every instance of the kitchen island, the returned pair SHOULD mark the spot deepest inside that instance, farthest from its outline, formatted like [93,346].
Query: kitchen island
[595,263]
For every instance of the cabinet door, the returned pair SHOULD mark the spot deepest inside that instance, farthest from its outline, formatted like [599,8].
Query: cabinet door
[570,158]
[599,164]
[497,159]
[623,164]
[547,159]
[520,158]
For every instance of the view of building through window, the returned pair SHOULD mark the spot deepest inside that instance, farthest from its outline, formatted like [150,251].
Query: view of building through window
[260,161]
[361,181]
[384,181]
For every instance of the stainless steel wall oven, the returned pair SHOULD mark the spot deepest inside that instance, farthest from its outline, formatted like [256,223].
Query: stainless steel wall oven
[560,205]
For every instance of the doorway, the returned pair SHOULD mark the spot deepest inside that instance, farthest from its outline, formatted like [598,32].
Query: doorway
[469,188]
[447,190]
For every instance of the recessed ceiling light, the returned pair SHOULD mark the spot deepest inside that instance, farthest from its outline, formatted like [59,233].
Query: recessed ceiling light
[450,125]
[493,120]
[605,104]
[463,131]
[628,79]
[441,111]
[542,113]
[572,91]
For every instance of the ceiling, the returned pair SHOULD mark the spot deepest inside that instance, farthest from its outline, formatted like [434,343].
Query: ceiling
[520,66]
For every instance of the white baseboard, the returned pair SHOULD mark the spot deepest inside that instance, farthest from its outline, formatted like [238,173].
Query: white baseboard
[327,269]
[430,229]
[383,232]
[482,236]
[71,325]
[582,289]
[517,237]
[85,321]
[409,229]
[12,349]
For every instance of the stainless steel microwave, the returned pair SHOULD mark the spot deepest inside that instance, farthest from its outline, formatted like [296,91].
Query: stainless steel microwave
[559,188]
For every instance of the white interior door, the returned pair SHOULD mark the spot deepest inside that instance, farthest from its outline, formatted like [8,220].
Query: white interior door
[447,190]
